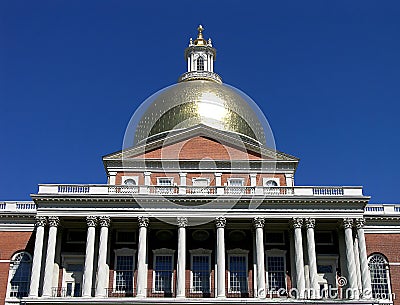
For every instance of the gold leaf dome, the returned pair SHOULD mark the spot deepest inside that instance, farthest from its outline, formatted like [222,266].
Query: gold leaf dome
[194,102]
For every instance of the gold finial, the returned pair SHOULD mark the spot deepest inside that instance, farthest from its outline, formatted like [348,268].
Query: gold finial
[200,41]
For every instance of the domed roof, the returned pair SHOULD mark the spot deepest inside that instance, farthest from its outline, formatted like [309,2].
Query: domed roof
[194,102]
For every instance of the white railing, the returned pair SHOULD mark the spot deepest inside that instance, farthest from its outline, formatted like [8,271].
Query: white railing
[99,189]
[18,206]
[382,209]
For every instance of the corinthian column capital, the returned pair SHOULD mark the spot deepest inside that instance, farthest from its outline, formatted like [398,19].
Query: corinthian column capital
[40,221]
[220,222]
[297,223]
[104,221]
[53,221]
[310,223]
[347,223]
[91,221]
[258,222]
[143,221]
[360,222]
[182,222]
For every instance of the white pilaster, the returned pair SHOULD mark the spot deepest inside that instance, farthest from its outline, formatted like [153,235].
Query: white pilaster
[312,258]
[51,251]
[143,223]
[298,248]
[218,179]
[182,186]
[37,257]
[111,178]
[253,179]
[220,223]
[91,222]
[181,264]
[102,267]
[289,179]
[147,178]
[259,227]
[365,274]
[351,264]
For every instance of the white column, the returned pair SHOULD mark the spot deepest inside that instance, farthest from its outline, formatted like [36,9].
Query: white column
[220,223]
[365,275]
[51,252]
[357,260]
[181,264]
[147,178]
[312,258]
[37,257]
[141,286]
[351,264]
[297,223]
[91,222]
[255,270]
[218,179]
[259,227]
[102,268]
[253,179]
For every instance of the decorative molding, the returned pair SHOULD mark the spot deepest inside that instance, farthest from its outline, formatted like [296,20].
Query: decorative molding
[163,251]
[347,223]
[104,221]
[200,251]
[360,222]
[53,221]
[310,223]
[297,223]
[220,222]
[238,251]
[91,221]
[182,222]
[258,222]
[40,221]
[143,221]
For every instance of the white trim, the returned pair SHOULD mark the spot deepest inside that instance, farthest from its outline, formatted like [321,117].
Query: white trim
[123,252]
[266,179]
[201,178]
[237,252]
[200,252]
[169,178]
[163,252]
[275,253]
[8,291]
[229,181]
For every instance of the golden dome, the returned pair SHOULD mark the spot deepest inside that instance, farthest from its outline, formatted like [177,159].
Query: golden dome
[194,102]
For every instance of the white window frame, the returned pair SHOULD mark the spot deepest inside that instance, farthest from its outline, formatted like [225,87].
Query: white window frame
[124,252]
[237,179]
[238,252]
[169,178]
[266,179]
[134,178]
[275,253]
[390,294]
[10,273]
[163,252]
[199,252]
[199,179]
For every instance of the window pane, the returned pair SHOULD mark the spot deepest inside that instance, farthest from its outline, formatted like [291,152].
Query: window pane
[379,277]
[20,275]
[163,273]
[124,273]
[238,273]
[276,272]
[201,273]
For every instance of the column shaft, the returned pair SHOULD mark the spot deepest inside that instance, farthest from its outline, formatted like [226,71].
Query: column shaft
[181,264]
[141,285]
[102,268]
[351,264]
[51,251]
[312,258]
[220,223]
[365,274]
[89,256]
[298,248]
[37,257]
[259,226]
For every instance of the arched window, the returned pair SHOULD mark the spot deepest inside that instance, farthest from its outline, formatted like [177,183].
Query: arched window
[379,269]
[20,275]
[200,64]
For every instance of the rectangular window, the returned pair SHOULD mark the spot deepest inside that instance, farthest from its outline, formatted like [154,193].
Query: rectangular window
[235,186]
[165,185]
[201,273]
[238,273]
[276,273]
[163,268]
[165,181]
[124,273]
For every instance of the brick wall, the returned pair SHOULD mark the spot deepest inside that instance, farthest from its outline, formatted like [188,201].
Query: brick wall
[12,242]
[389,246]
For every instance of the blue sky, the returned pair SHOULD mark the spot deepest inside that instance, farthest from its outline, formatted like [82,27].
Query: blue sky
[325,73]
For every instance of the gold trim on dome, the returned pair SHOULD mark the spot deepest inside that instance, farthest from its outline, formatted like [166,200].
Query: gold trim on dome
[200,41]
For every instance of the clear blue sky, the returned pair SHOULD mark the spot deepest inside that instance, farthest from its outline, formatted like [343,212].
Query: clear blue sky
[325,73]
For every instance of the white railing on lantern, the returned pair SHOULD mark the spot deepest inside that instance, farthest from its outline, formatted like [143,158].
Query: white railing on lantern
[100,189]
